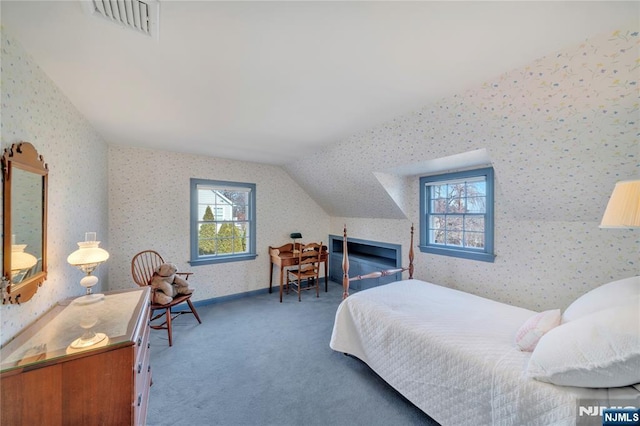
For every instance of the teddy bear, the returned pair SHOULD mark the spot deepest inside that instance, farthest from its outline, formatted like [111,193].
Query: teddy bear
[166,284]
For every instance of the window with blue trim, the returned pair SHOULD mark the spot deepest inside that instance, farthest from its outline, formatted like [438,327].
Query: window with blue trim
[456,214]
[223,221]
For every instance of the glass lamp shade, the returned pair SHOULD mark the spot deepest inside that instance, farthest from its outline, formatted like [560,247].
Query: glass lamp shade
[623,209]
[21,260]
[87,258]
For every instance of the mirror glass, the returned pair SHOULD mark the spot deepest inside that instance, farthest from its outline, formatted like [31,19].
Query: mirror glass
[24,238]
[26,225]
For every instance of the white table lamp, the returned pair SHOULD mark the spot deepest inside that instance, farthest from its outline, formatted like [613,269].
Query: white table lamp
[87,258]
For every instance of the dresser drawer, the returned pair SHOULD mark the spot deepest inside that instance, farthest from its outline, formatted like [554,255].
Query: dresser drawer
[142,370]
[143,383]
[141,338]
[96,385]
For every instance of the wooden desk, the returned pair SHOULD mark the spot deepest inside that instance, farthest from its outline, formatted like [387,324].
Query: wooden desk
[283,256]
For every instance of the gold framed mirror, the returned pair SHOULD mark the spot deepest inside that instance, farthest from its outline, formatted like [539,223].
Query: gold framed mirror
[24,241]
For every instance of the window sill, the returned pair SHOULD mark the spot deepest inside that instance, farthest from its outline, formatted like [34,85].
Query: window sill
[463,254]
[222,259]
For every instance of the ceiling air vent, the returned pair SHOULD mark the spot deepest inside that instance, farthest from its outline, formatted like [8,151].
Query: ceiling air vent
[142,16]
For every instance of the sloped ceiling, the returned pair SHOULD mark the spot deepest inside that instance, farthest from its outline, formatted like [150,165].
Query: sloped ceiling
[273,81]
[278,82]
[559,132]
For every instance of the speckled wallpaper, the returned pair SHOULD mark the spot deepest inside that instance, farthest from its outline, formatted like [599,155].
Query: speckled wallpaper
[34,110]
[559,132]
[570,118]
[149,209]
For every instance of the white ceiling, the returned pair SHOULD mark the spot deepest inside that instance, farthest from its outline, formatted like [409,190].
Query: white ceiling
[270,81]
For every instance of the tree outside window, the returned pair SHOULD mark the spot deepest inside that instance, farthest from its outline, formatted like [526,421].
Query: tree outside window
[222,221]
[456,214]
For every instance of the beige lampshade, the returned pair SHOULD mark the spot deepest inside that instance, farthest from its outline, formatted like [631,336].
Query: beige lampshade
[623,210]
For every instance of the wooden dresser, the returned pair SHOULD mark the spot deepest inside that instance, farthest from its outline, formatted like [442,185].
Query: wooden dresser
[47,380]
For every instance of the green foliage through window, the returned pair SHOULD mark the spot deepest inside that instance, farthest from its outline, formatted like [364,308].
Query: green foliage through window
[207,233]
[222,221]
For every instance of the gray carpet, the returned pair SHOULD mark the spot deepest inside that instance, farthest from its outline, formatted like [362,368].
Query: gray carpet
[254,361]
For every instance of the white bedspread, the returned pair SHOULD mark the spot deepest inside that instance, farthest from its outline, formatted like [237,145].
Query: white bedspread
[452,354]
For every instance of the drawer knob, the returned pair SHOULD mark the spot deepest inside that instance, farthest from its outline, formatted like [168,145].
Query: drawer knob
[139,399]
[148,368]
[139,340]
[139,367]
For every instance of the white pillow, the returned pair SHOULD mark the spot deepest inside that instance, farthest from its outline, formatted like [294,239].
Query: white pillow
[606,296]
[596,351]
[535,327]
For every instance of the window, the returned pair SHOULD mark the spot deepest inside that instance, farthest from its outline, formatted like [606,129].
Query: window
[456,214]
[223,221]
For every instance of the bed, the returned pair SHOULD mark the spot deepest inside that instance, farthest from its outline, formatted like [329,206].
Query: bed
[454,355]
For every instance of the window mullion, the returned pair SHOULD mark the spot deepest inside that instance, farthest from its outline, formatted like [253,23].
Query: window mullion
[450,204]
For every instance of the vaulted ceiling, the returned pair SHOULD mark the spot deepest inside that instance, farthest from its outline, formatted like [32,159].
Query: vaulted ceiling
[270,82]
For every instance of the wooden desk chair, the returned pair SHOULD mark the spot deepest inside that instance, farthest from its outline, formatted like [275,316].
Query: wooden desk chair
[308,269]
[143,266]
